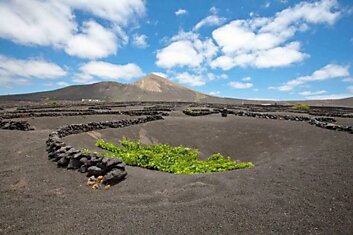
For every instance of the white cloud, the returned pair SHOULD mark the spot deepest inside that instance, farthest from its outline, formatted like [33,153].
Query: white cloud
[274,57]
[21,72]
[160,74]
[82,78]
[246,79]
[350,89]
[190,79]
[119,12]
[239,37]
[330,71]
[139,40]
[214,10]
[214,93]
[7,82]
[324,11]
[253,41]
[53,23]
[181,12]
[63,84]
[311,93]
[328,97]
[262,58]
[240,85]
[212,20]
[186,49]
[212,76]
[36,22]
[347,79]
[180,53]
[105,70]
[32,68]
[94,41]
[267,4]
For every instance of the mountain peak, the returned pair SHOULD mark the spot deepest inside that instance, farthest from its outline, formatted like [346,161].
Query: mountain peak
[156,83]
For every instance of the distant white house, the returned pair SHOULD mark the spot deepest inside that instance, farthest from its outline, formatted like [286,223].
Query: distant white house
[90,100]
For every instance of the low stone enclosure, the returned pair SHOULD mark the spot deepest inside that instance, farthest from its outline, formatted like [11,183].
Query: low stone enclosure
[15,125]
[323,122]
[78,112]
[112,169]
[199,112]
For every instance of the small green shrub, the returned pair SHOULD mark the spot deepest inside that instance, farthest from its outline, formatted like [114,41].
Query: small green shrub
[197,112]
[163,157]
[301,106]
[53,103]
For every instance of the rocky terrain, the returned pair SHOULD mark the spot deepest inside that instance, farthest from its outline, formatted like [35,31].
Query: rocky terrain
[301,182]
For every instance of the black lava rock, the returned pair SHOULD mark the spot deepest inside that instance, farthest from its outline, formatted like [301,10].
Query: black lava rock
[74,163]
[83,169]
[94,170]
[112,162]
[63,162]
[114,176]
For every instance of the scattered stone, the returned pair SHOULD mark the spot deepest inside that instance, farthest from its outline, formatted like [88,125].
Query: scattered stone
[90,183]
[114,177]
[95,171]
[100,179]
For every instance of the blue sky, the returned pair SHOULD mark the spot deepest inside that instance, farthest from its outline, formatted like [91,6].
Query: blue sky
[252,49]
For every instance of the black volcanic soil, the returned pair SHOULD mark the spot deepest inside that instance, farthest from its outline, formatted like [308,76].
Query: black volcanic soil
[55,122]
[302,181]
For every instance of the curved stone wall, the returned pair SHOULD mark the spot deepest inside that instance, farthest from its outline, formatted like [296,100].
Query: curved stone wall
[331,126]
[112,169]
[323,122]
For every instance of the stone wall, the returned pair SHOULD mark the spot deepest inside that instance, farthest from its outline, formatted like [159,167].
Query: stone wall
[331,126]
[112,169]
[78,112]
[15,125]
[269,116]
[323,122]
[198,112]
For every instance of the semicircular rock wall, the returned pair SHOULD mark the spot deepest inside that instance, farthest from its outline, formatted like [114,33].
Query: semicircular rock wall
[112,169]
[323,122]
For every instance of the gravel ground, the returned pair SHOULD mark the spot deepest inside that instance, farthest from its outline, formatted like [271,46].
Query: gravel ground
[302,182]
